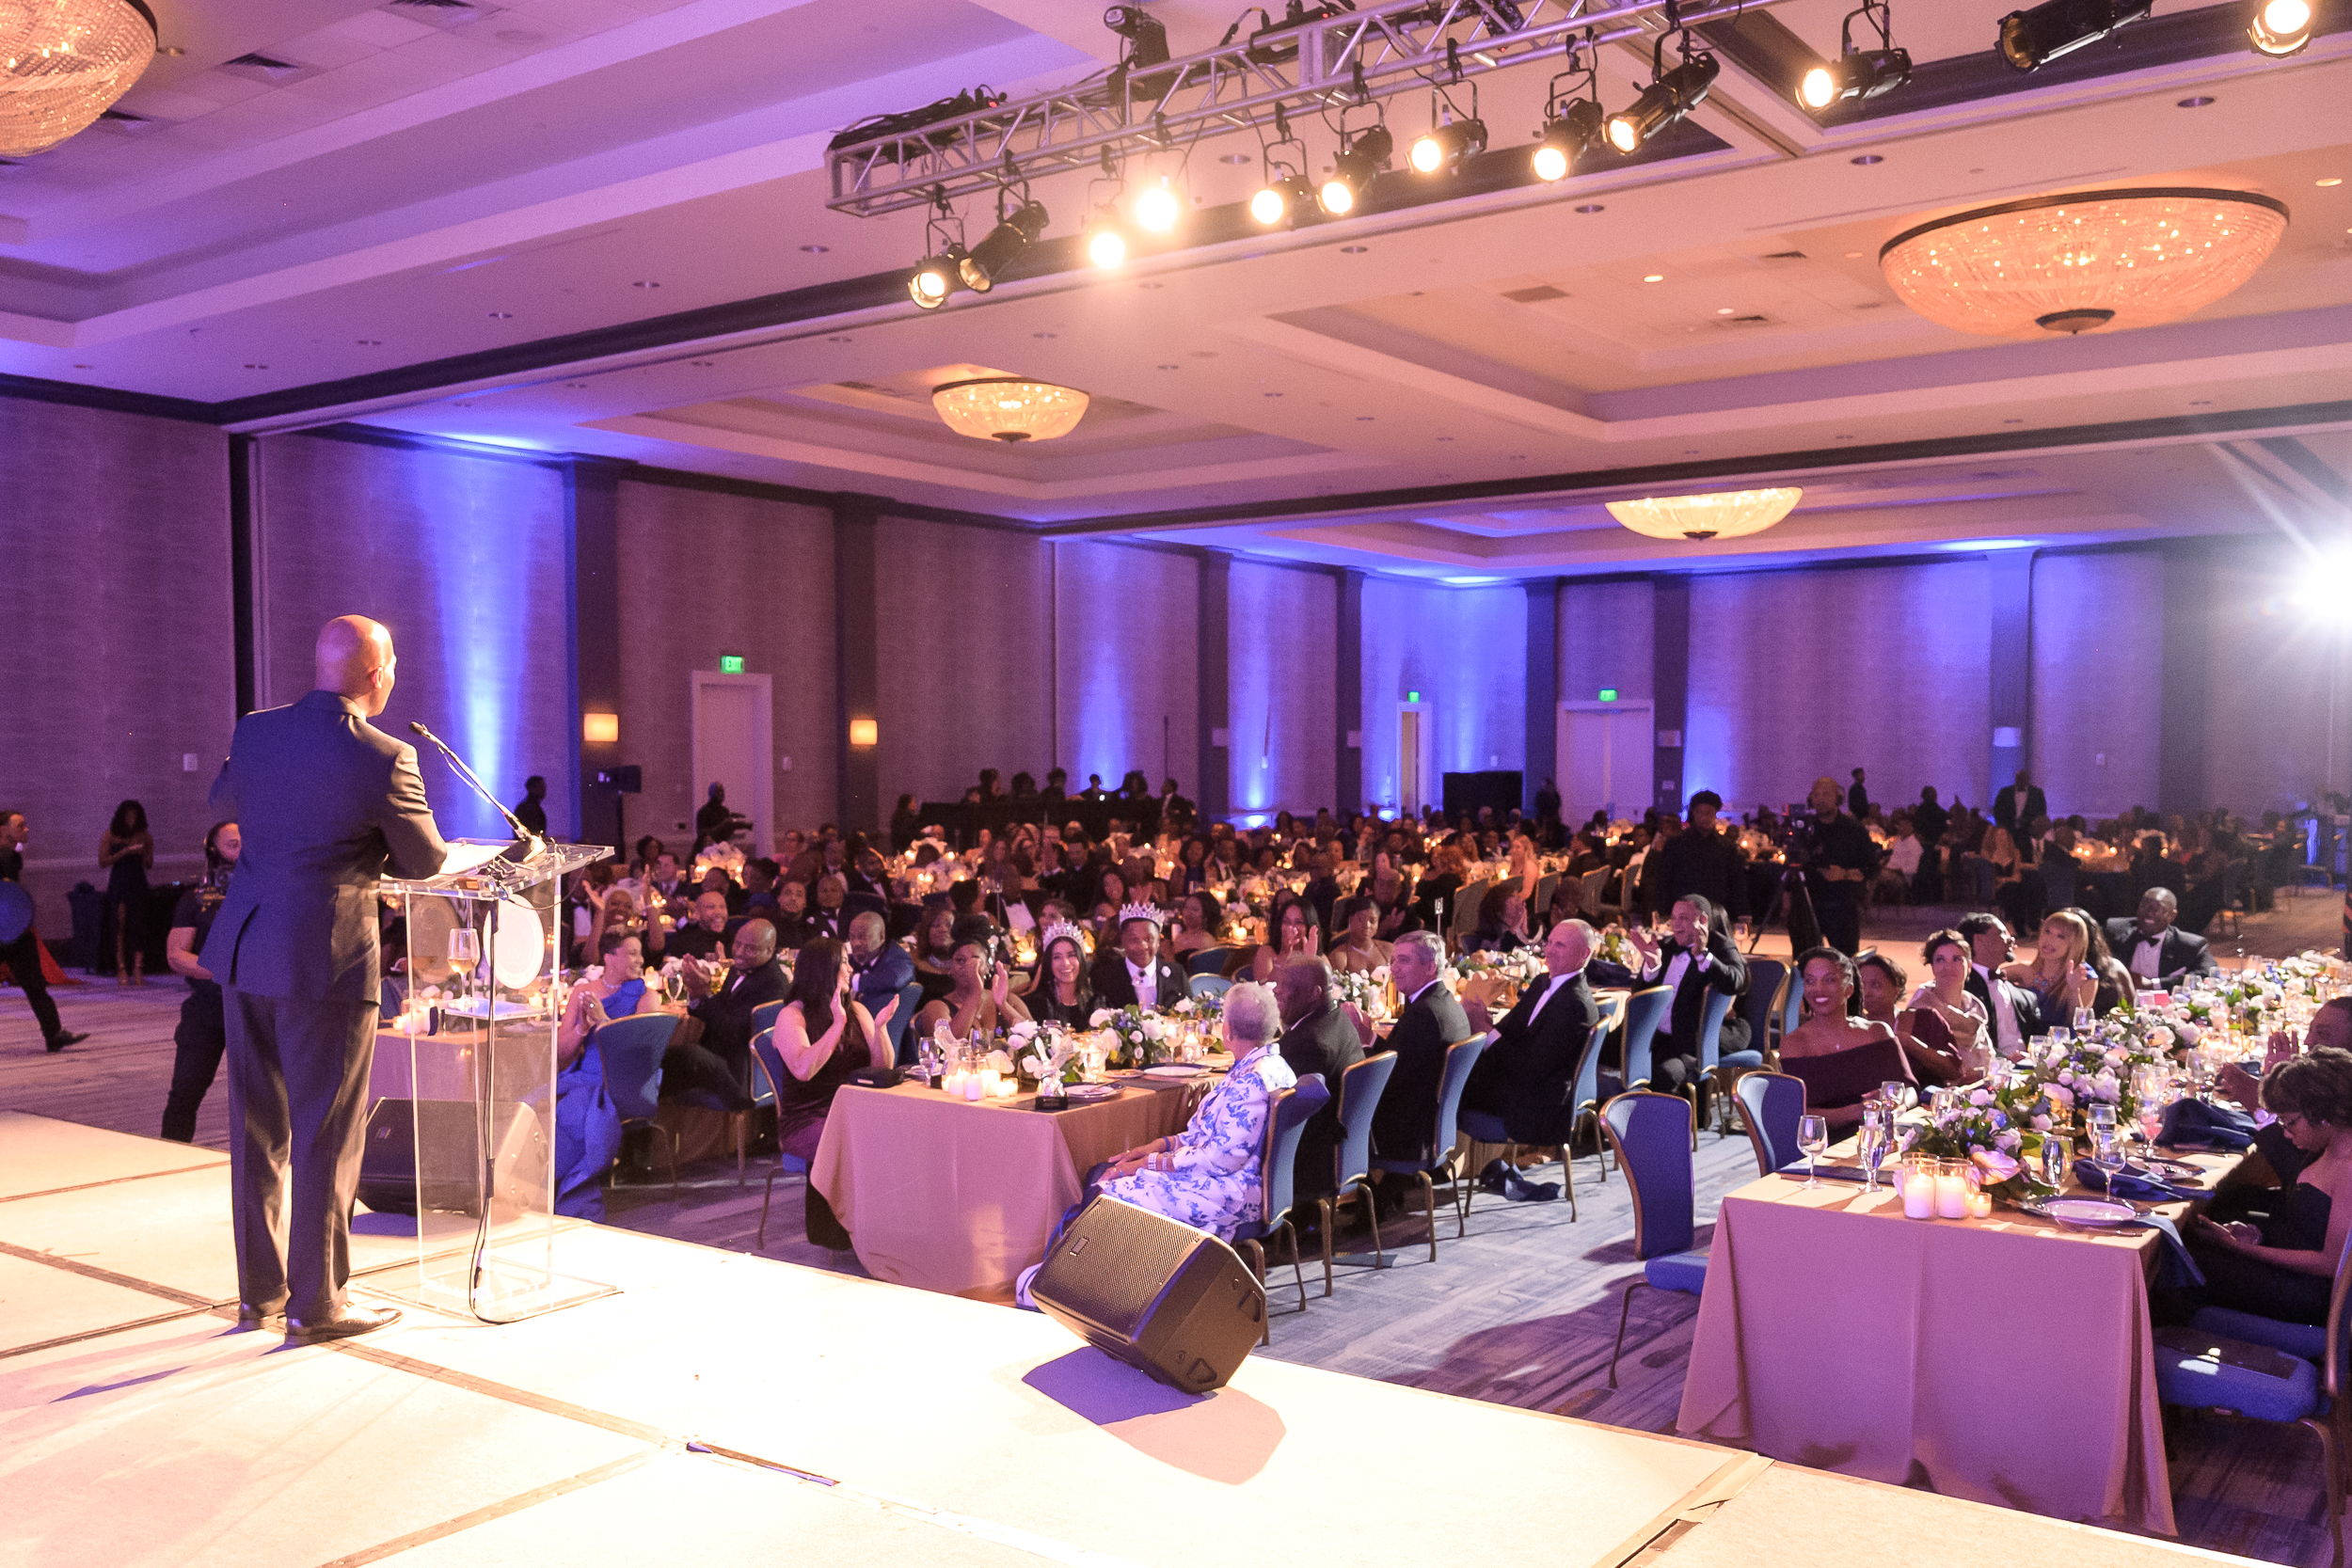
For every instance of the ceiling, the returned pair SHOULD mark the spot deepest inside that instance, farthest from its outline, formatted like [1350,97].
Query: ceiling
[599,226]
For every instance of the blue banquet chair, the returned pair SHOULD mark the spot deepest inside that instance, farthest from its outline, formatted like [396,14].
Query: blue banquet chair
[1459,1059]
[1771,1103]
[1651,1133]
[771,1062]
[630,1048]
[1287,1115]
[1360,1089]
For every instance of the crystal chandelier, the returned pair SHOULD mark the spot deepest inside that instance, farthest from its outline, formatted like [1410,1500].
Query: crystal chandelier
[1725,514]
[1006,409]
[2076,263]
[62,63]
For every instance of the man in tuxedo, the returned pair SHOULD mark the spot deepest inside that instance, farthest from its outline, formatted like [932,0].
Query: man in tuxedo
[1698,958]
[878,966]
[720,1064]
[2020,804]
[1430,1021]
[830,918]
[1702,860]
[328,804]
[2015,1012]
[1317,1036]
[1527,1075]
[2153,948]
[1136,975]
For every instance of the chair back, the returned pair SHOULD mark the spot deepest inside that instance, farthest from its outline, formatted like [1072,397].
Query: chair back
[1595,884]
[901,1029]
[630,1048]
[764,1016]
[1201,986]
[390,999]
[1611,1017]
[2338,1366]
[1711,1029]
[763,1047]
[1287,1115]
[1771,1103]
[1360,1089]
[1790,1005]
[1651,1133]
[1764,981]
[1207,960]
[768,1060]
[1459,1059]
[1468,905]
[1646,1013]
[1545,886]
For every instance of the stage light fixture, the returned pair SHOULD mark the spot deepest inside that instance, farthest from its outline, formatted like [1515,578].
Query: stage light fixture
[1662,103]
[2032,38]
[1444,147]
[1352,168]
[996,250]
[1105,242]
[1564,137]
[1282,197]
[935,278]
[2280,27]
[1860,73]
[1158,208]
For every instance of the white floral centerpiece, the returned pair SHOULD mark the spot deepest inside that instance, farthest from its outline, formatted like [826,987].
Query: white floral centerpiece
[1997,1128]
[1139,1037]
[2098,1067]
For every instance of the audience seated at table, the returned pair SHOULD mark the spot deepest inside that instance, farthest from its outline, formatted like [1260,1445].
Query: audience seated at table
[980,998]
[1200,924]
[1501,924]
[618,911]
[1697,957]
[1943,1028]
[880,965]
[1064,992]
[1429,1021]
[824,1035]
[1879,984]
[1841,1055]
[2072,970]
[2155,949]
[2012,1013]
[706,935]
[1527,1073]
[1293,931]
[1208,1176]
[1318,1037]
[2284,1265]
[1131,972]
[935,948]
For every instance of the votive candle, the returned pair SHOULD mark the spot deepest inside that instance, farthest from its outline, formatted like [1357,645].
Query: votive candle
[1918,1183]
[1979,1205]
[1952,1196]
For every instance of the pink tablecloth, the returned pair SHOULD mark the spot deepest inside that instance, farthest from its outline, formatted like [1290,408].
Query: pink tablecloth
[960,1198]
[2004,1361]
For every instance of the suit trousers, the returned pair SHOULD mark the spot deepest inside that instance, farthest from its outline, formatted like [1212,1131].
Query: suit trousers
[22,956]
[199,1045]
[297,1088]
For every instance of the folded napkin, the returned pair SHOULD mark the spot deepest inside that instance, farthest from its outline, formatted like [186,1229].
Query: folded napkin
[2202,1122]
[2130,1185]
[1827,1173]
[2175,1269]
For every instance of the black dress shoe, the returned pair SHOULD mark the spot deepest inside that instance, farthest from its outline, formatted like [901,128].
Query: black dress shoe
[59,1042]
[250,1317]
[342,1326]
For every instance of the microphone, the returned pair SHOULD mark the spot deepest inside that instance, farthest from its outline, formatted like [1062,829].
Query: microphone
[458,764]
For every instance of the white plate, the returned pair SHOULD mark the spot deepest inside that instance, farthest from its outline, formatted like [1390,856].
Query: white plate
[2089,1211]
[1092,1091]
[1174,1070]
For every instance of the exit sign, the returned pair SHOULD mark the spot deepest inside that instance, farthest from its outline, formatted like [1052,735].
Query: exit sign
[730,664]
[1412,696]
[1608,693]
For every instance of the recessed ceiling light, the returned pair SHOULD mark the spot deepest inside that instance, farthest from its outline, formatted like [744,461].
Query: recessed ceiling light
[815,249]
[1867,159]
[1235,158]
[2331,180]
[1519,457]
[644,283]
[838,340]
[501,315]
[1445,437]
[1855,255]
[1360,249]
[2196,103]
[1726,309]
[1178,368]
[1146,285]
[80,367]
[368,342]
[1592,207]
[257,367]
[1274,394]
[1655,277]
[706,364]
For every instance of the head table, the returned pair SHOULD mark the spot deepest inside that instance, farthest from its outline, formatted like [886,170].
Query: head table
[961,1195]
[2006,1360]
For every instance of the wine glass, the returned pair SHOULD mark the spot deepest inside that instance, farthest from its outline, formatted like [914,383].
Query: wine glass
[465,953]
[1872,1145]
[1813,1142]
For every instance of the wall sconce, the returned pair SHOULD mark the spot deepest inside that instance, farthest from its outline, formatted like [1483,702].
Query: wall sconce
[601,729]
[862,732]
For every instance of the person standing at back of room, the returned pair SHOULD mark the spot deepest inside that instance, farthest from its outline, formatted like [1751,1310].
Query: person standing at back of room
[328,804]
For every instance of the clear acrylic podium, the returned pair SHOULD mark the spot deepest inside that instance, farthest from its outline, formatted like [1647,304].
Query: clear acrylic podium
[484,993]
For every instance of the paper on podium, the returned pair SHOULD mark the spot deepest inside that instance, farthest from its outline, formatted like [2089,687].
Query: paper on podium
[466,857]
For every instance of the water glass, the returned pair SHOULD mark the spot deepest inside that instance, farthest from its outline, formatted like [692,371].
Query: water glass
[1812,1142]
[1872,1145]
[1895,1093]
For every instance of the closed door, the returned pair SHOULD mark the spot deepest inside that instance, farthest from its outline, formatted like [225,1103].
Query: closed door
[1605,761]
[731,723]
[1408,762]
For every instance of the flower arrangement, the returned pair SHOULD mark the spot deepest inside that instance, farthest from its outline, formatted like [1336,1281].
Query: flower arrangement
[1618,949]
[1365,989]
[1140,1039]
[2098,1067]
[1998,1129]
[1045,1052]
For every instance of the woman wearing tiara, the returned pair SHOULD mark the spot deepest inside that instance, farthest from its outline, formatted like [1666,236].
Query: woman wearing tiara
[1062,994]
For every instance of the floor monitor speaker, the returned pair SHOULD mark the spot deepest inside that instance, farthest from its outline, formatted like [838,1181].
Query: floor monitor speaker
[1163,1297]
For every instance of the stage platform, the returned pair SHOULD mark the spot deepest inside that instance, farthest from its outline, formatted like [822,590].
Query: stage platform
[718,1407]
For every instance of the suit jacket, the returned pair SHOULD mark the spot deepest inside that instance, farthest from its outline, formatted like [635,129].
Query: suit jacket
[2026,1004]
[2005,806]
[1709,864]
[1114,988]
[1323,1042]
[1407,1117]
[328,804]
[1725,971]
[727,1015]
[880,980]
[826,923]
[1529,1072]
[2185,952]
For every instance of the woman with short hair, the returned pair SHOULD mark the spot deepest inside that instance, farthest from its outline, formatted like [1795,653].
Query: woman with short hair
[2284,1267]
[1943,1030]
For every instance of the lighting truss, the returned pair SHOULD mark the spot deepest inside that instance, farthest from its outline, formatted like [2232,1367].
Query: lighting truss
[1353,57]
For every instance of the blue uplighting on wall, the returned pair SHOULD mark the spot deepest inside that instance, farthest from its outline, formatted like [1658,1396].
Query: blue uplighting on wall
[1461,653]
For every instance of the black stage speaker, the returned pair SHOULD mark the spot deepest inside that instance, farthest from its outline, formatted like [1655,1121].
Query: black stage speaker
[1161,1297]
[451,1131]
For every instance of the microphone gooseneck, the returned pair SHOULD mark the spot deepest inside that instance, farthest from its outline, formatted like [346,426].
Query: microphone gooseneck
[457,765]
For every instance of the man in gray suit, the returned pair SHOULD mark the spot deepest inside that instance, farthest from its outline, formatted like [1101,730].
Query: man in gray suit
[329,803]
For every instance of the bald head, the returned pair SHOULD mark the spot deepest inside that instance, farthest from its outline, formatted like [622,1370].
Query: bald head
[353,658]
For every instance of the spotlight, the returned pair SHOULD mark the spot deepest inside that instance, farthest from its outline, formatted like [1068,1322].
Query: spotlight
[1284,196]
[1565,137]
[2280,27]
[2031,39]
[935,278]
[1446,146]
[1107,244]
[1858,73]
[1158,208]
[995,251]
[1352,168]
[1662,103]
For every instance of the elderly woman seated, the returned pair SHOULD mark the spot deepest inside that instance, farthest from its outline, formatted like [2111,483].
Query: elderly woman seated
[1208,1175]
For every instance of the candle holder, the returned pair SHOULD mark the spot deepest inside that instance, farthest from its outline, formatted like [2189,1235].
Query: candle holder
[1916,1180]
[1952,1185]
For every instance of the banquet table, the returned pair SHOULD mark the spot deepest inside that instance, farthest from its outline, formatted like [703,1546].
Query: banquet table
[960,1196]
[2008,1361]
